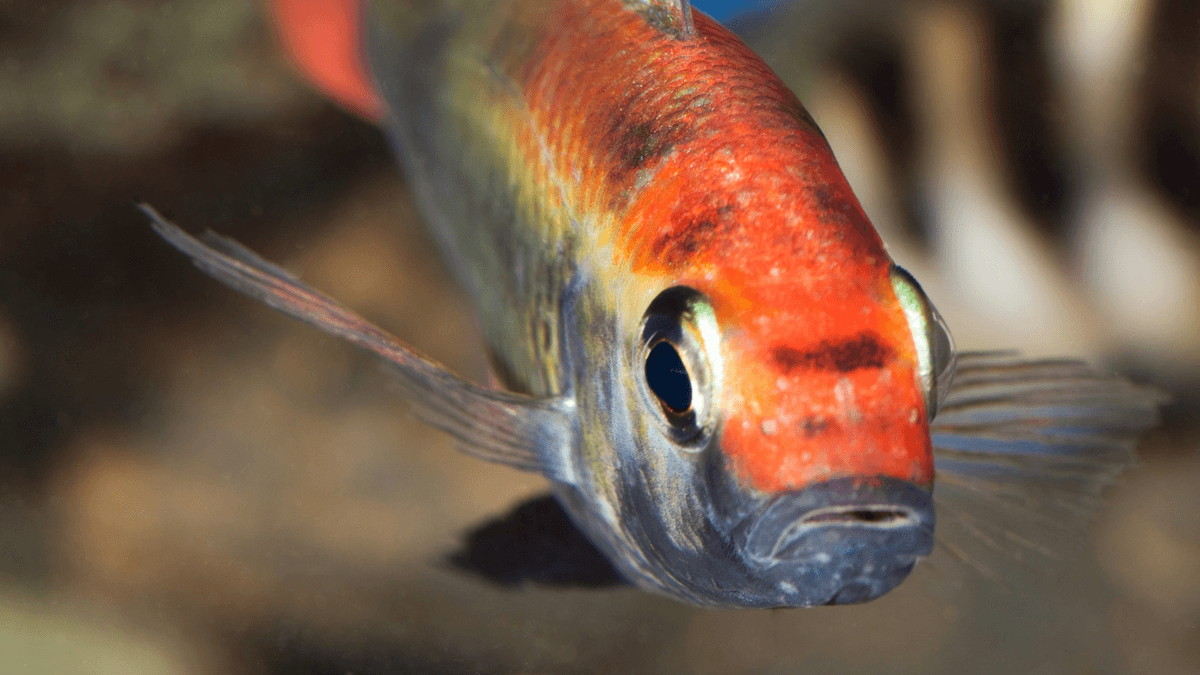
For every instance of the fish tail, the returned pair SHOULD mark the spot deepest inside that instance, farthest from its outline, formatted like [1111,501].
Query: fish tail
[323,38]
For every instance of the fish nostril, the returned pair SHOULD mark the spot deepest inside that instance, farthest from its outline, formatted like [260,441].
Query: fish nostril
[871,516]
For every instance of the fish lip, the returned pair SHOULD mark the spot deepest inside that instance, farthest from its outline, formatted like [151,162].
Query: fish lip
[842,541]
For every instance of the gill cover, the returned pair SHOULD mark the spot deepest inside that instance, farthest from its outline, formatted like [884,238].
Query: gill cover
[931,338]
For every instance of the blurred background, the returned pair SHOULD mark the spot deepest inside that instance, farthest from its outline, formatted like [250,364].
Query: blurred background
[191,483]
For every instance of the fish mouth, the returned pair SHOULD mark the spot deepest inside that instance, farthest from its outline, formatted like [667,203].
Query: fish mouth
[844,541]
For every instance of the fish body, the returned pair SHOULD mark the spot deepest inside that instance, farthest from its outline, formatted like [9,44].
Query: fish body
[702,340]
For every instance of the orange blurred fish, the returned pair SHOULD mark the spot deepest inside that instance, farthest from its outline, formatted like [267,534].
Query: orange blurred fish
[703,341]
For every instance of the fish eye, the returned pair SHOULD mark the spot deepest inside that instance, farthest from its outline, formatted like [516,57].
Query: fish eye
[668,378]
[936,355]
[679,348]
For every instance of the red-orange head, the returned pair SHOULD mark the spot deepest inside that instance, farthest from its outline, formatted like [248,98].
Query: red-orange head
[785,369]
[829,355]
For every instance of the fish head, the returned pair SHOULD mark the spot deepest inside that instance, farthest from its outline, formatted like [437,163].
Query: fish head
[802,394]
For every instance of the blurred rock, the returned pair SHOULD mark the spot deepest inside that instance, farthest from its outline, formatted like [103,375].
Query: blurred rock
[121,77]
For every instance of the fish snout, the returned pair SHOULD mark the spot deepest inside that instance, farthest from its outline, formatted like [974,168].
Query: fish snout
[843,541]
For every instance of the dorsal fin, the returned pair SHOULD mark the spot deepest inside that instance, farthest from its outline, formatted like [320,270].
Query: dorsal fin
[670,16]
[323,39]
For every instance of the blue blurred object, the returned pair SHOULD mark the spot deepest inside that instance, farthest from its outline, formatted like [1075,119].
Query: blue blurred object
[724,10]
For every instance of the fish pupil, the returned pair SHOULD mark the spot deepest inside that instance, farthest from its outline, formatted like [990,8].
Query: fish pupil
[668,378]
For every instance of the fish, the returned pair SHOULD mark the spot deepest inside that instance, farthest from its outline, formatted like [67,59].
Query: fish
[695,332]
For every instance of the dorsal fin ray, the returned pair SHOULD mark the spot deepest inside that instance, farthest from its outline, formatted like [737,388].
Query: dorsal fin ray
[671,16]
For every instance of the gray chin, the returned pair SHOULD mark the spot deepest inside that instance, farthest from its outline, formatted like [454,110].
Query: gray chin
[840,542]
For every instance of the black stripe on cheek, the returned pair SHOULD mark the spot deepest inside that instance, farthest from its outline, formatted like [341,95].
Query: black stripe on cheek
[813,426]
[861,351]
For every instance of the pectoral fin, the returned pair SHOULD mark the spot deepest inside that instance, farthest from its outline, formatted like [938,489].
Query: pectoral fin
[523,432]
[1022,450]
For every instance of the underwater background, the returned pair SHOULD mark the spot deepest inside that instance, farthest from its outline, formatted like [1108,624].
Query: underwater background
[192,483]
